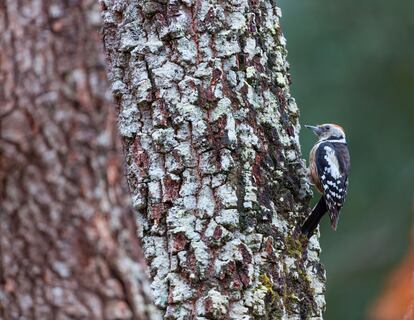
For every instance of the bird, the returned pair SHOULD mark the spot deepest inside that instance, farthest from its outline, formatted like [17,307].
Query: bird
[329,166]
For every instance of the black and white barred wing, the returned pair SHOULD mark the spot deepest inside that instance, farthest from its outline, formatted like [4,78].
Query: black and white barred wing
[333,176]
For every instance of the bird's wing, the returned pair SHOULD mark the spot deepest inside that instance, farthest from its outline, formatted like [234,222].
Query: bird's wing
[333,172]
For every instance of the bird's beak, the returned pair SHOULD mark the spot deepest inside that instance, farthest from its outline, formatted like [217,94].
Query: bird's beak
[316,130]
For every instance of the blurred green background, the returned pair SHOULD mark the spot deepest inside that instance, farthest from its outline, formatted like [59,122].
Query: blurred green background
[352,63]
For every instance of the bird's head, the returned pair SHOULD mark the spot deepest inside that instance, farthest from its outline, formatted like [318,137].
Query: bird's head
[328,131]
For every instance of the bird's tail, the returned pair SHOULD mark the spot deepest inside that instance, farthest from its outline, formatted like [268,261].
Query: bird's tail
[313,219]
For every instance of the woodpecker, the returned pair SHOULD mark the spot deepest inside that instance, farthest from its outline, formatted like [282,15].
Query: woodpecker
[329,165]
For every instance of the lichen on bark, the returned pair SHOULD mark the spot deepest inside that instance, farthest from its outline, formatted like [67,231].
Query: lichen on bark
[211,137]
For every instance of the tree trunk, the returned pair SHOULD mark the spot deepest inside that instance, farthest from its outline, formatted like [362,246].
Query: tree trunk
[68,245]
[213,159]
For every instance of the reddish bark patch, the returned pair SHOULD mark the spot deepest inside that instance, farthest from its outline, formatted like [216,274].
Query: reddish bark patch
[210,93]
[244,277]
[180,241]
[280,96]
[202,96]
[216,76]
[290,131]
[140,157]
[247,257]
[191,262]
[228,269]
[269,249]
[157,212]
[236,284]
[218,133]
[171,189]
[244,90]
[257,64]
[218,232]
[160,104]
[257,170]
[208,306]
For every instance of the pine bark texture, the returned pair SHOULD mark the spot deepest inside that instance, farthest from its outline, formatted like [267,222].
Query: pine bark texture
[213,159]
[68,245]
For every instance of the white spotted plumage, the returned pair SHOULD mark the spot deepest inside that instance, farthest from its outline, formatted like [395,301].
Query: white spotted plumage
[329,167]
[333,166]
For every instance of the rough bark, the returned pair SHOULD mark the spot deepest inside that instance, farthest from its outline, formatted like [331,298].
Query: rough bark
[214,165]
[68,245]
